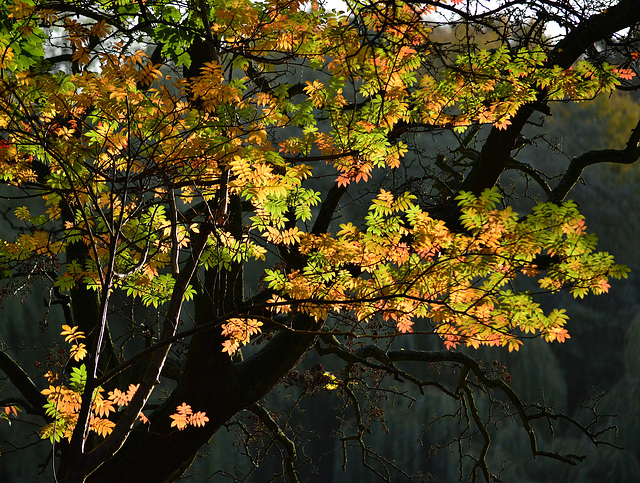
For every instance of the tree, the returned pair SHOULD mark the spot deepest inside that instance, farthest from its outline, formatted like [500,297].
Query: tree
[170,152]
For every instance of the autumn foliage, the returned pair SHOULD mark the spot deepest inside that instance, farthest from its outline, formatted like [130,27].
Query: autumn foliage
[64,403]
[163,161]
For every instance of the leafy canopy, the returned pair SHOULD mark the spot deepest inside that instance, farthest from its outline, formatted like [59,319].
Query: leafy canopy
[157,155]
[115,148]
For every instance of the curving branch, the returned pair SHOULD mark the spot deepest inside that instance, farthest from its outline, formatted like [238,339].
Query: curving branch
[486,380]
[279,435]
[481,461]
[23,383]
[533,173]
[483,376]
[629,155]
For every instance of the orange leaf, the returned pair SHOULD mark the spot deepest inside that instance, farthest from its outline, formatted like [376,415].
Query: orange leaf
[179,421]
[198,419]
[184,409]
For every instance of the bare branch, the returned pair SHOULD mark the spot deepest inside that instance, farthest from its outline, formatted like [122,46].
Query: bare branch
[628,155]
[280,436]
[24,384]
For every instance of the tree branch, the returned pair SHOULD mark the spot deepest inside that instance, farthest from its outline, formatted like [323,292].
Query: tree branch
[328,208]
[279,435]
[120,433]
[629,155]
[483,376]
[24,384]
[495,153]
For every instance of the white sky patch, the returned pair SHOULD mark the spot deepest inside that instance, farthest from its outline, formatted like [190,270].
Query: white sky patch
[552,28]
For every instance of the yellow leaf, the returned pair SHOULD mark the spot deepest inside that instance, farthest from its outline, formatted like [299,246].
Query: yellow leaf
[103,427]
[118,397]
[78,351]
[179,421]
